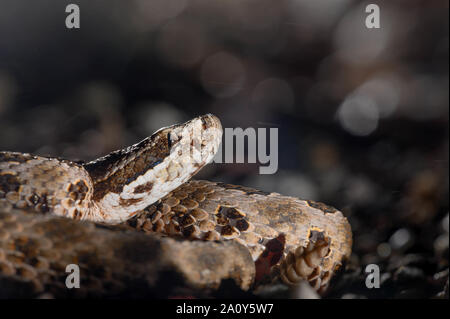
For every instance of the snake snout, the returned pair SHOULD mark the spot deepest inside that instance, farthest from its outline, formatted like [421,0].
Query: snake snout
[210,121]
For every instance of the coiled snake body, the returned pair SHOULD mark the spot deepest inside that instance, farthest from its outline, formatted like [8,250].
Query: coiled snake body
[146,187]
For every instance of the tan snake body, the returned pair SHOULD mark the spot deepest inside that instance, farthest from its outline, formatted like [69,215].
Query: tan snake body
[146,187]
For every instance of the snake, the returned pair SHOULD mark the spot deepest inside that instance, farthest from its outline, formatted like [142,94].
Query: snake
[48,206]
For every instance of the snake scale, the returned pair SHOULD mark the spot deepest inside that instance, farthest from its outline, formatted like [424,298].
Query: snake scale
[116,204]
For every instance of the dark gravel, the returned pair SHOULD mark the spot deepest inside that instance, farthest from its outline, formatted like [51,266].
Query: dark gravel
[362,115]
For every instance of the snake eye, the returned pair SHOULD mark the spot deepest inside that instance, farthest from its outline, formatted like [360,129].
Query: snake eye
[172,139]
[169,141]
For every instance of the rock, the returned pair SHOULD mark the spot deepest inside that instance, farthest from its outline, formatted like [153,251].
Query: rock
[304,291]
[112,262]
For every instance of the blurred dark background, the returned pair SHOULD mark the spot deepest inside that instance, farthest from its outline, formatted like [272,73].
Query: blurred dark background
[362,113]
